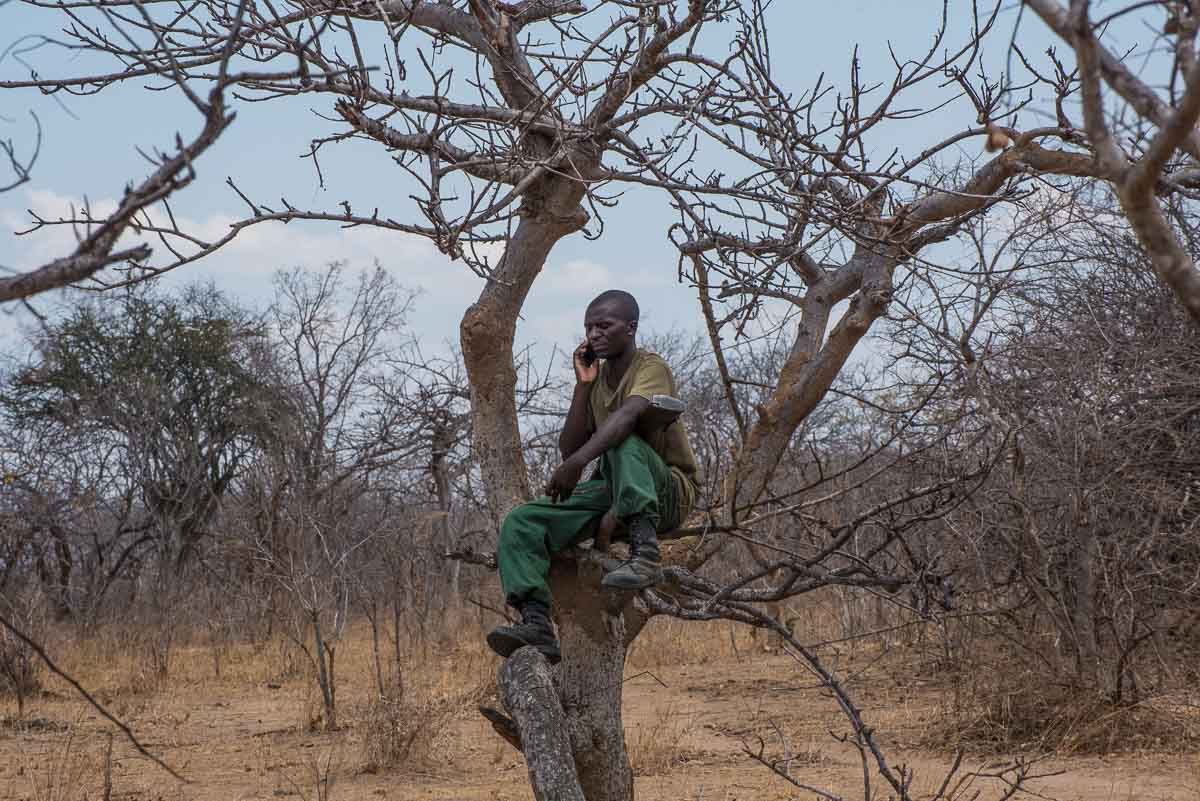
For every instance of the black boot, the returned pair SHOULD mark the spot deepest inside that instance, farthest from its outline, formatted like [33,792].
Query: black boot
[534,629]
[643,568]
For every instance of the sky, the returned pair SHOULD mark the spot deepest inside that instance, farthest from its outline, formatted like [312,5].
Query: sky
[89,150]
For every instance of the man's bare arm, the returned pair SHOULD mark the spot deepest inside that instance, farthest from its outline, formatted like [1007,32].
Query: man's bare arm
[574,434]
[575,430]
[619,425]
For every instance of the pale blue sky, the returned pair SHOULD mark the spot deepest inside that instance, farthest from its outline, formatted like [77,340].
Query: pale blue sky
[89,150]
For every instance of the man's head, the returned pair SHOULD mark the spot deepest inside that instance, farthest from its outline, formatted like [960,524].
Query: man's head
[611,323]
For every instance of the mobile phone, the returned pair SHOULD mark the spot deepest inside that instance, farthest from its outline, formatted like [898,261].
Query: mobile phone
[589,356]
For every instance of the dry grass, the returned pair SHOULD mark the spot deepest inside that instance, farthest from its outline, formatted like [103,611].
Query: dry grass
[425,733]
[63,771]
[657,745]
[667,641]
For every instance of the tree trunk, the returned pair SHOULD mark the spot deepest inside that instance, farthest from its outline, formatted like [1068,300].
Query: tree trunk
[1085,554]
[593,637]
[593,633]
[488,330]
[373,617]
[324,674]
[578,717]
[442,441]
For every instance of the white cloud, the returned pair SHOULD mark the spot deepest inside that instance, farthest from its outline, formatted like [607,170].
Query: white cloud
[553,313]
[575,277]
[244,267]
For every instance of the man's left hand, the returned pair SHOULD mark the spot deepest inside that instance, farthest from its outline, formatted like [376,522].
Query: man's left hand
[563,482]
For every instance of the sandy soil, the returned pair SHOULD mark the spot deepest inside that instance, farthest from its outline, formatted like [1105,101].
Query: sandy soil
[688,724]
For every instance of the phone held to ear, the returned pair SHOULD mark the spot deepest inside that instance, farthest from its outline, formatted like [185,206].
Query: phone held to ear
[589,356]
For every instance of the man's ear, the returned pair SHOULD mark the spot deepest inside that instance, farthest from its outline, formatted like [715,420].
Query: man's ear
[633,326]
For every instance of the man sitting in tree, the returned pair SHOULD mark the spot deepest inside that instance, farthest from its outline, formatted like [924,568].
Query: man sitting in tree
[647,475]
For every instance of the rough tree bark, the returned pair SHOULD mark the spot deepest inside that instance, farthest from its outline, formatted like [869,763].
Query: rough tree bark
[594,633]
[595,629]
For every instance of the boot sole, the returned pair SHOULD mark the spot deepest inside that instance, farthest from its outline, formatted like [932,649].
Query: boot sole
[640,585]
[506,645]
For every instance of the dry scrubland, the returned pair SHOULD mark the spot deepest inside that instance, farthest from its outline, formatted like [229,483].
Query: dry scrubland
[244,722]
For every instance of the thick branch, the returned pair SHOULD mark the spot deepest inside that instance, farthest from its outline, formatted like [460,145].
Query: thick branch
[529,696]
[988,179]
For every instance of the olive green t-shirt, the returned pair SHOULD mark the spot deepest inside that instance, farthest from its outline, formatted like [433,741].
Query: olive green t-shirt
[649,375]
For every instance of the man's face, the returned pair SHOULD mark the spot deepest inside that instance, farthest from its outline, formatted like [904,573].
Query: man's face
[607,332]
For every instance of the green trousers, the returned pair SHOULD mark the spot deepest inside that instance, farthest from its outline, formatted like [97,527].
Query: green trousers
[632,480]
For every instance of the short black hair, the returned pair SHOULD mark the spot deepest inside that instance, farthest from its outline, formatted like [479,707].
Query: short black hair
[625,303]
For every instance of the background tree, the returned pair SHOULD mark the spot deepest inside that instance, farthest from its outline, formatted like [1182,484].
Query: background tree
[1142,136]
[315,508]
[810,208]
[513,159]
[149,404]
[1096,511]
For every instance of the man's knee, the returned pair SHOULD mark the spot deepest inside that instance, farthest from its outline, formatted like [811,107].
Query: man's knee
[516,530]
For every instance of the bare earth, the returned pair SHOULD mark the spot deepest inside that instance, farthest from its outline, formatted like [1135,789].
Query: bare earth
[247,735]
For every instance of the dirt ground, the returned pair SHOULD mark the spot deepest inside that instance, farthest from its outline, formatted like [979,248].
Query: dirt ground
[250,734]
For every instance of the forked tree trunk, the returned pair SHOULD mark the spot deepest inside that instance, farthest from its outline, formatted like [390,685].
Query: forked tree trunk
[593,637]
[593,628]
[810,370]
[325,677]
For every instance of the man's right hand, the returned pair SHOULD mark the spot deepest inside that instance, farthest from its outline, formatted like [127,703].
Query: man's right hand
[585,373]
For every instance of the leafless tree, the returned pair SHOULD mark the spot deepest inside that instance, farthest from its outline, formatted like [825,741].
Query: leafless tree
[511,156]
[126,424]
[809,219]
[19,669]
[816,220]
[1094,517]
[332,434]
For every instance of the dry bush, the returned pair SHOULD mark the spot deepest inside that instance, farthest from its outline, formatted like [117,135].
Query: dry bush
[19,673]
[317,779]
[408,726]
[406,732]
[1004,709]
